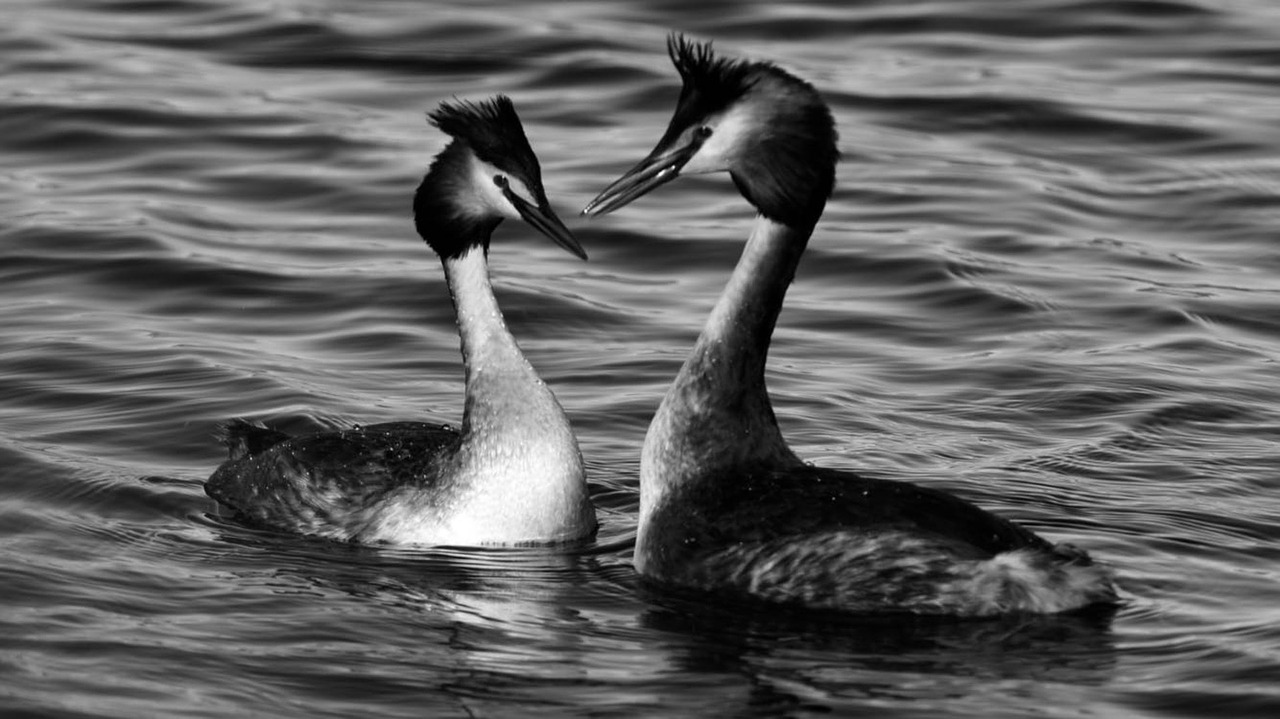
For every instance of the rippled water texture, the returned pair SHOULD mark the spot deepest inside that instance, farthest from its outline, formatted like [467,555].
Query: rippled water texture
[1049,280]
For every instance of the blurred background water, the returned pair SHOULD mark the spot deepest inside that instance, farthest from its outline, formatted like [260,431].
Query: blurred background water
[1049,280]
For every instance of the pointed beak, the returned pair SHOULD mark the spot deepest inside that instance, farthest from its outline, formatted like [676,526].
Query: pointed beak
[544,220]
[660,167]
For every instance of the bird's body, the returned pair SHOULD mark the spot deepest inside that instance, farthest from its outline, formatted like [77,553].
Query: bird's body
[725,505]
[513,472]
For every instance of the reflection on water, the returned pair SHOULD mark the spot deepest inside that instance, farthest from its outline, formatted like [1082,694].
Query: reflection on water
[1046,281]
[788,660]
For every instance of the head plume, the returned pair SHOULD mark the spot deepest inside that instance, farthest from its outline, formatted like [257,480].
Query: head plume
[493,131]
[711,83]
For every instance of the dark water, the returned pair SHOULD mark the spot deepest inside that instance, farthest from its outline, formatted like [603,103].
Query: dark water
[1049,281]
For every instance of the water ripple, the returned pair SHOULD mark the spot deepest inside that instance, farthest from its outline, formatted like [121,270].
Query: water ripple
[1046,281]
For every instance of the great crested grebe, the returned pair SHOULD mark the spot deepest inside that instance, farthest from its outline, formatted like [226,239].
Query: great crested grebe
[513,474]
[725,505]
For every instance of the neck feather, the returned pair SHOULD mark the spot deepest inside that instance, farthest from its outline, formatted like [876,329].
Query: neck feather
[717,412]
[516,474]
[518,466]
[740,327]
[498,376]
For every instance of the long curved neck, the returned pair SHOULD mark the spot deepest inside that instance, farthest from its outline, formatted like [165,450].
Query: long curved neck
[516,439]
[717,412]
[516,472]
[498,377]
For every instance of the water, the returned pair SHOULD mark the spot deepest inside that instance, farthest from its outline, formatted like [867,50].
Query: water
[1049,280]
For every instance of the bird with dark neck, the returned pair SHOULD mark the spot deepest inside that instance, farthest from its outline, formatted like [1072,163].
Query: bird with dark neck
[513,473]
[725,505]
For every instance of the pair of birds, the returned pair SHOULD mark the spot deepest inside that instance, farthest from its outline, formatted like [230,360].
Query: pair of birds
[725,505]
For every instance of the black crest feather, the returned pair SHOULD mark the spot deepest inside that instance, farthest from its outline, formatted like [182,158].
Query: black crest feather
[493,131]
[711,83]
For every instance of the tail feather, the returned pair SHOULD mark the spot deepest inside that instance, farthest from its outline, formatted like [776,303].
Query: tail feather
[243,439]
[1030,581]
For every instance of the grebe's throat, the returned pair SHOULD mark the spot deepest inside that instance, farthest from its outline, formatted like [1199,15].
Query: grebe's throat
[741,326]
[497,373]
[717,411]
[517,448]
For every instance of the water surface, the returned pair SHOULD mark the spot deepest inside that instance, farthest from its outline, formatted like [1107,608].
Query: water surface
[1048,281]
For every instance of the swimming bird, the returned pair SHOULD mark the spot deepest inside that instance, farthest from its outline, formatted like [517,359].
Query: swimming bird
[513,473]
[725,505]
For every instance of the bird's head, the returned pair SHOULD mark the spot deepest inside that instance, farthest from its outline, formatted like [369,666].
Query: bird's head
[768,129]
[487,173]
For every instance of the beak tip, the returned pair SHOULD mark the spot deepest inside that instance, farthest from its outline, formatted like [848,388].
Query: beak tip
[571,245]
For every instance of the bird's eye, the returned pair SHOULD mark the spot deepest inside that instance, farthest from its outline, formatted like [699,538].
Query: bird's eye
[703,132]
[500,181]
